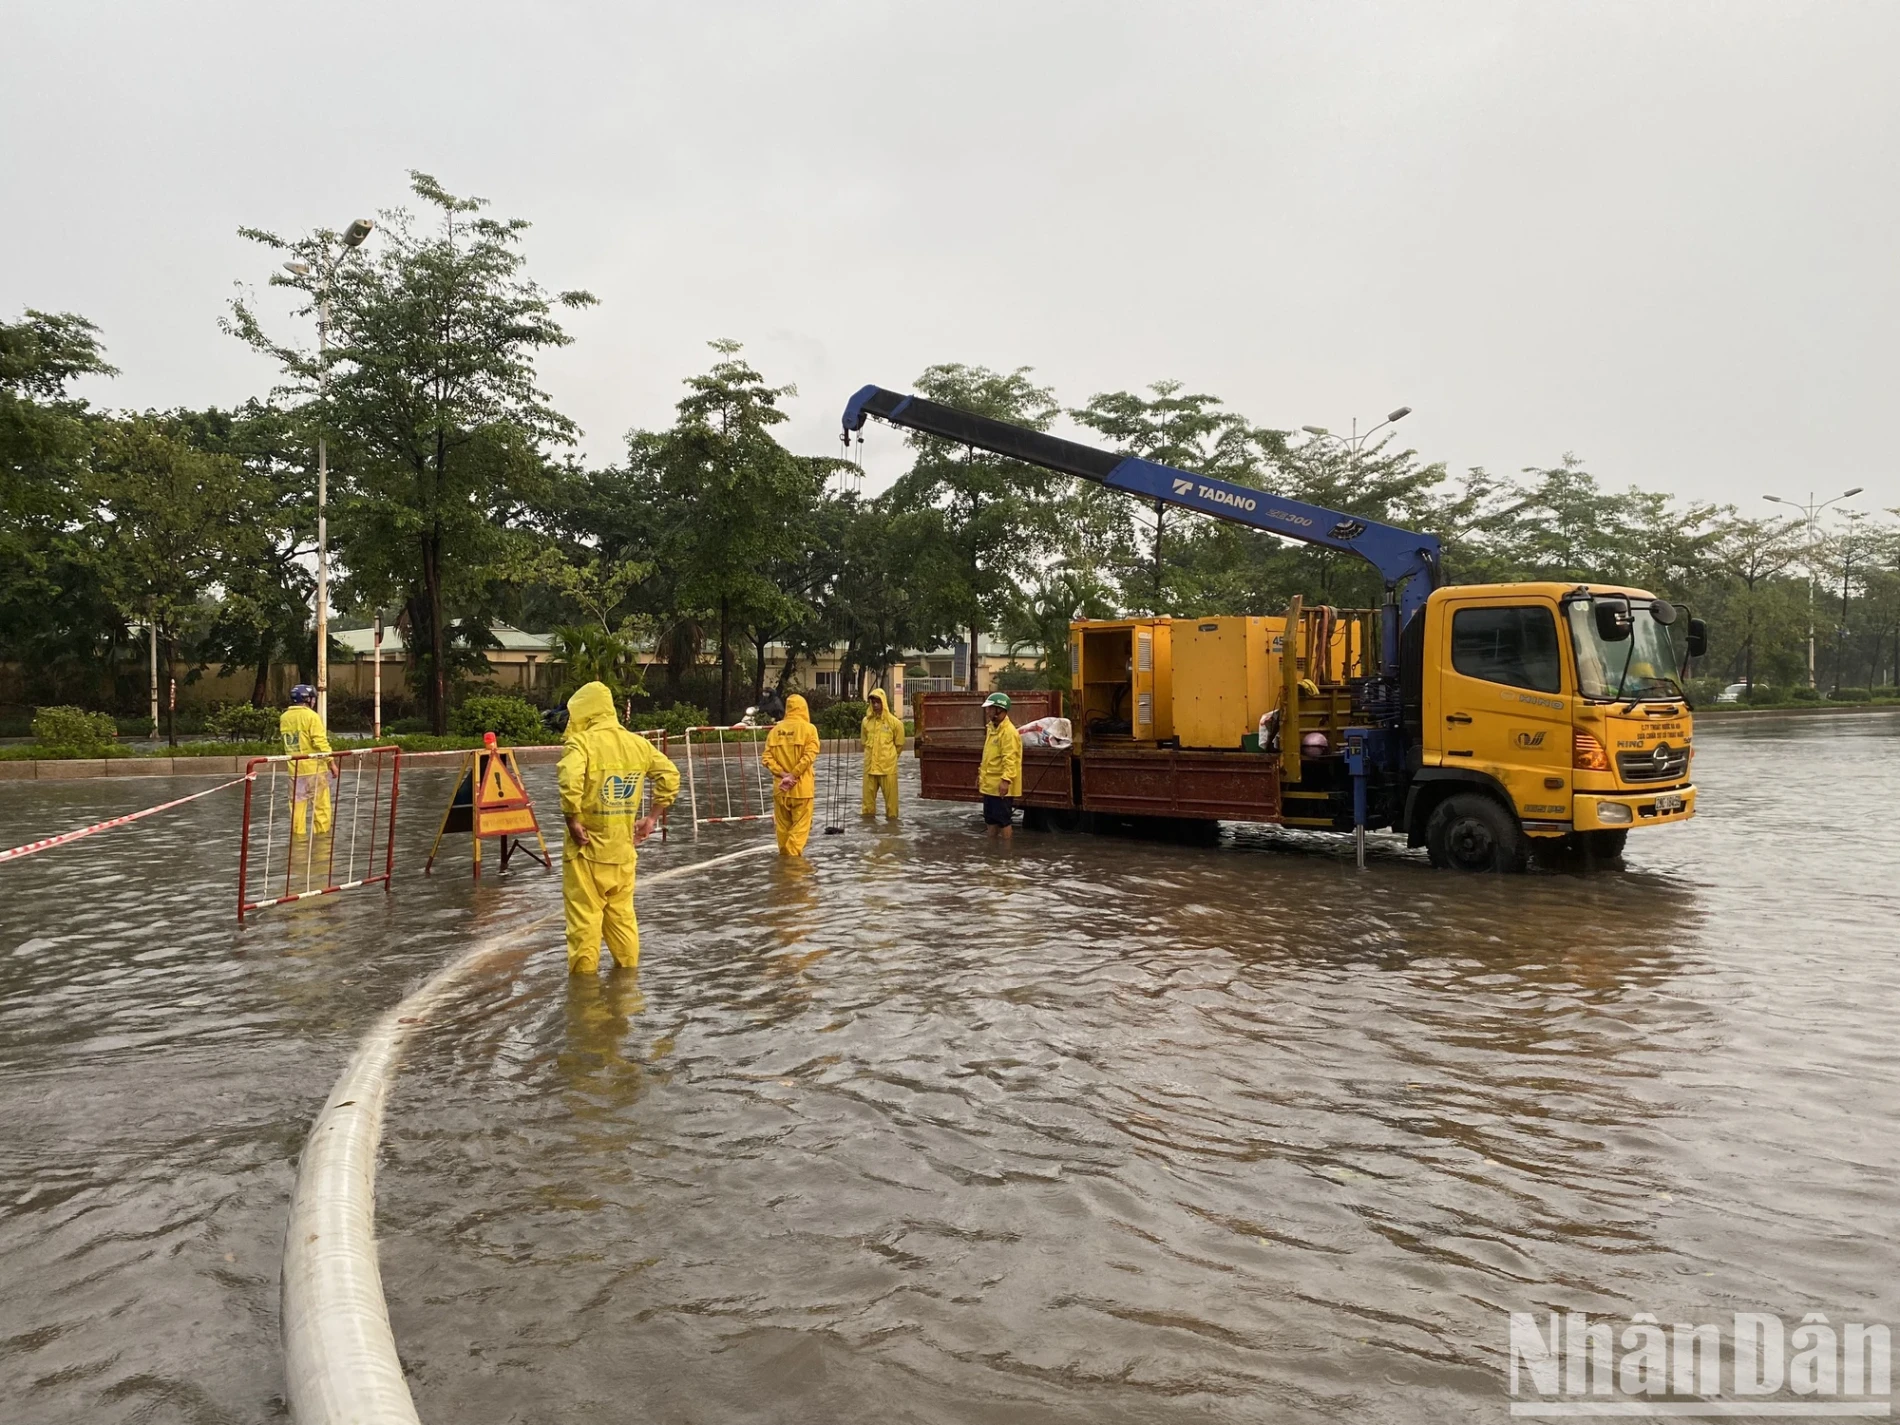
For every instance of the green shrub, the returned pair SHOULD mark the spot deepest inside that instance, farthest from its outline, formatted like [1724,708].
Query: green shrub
[426,742]
[1805,695]
[403,726]
[841,719]
[675,719]
[240,722]
[74,732]
[510,719]
[263,747]
[1703,691]
[1766,693]
[1851,695]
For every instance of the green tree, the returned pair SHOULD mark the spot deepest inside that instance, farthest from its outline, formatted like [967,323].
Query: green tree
[727,501]
[981,522]
[438,429]
[170,522]
[54,618]
[1754,554]
[267,582]
[1189,432]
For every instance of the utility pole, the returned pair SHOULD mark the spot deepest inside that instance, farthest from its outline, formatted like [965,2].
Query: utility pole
[352,239]
[376,711]
[1810,512]
[151,627]
[1854,517]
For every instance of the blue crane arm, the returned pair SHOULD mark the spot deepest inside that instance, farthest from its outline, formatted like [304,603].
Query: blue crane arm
[1407,560]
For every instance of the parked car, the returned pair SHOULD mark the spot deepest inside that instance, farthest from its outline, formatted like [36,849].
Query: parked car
[1733,693]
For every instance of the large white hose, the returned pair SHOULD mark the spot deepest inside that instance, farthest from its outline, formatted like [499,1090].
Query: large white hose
[340,1363]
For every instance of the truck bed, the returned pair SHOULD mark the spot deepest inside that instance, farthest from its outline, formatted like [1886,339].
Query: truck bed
[1117,781]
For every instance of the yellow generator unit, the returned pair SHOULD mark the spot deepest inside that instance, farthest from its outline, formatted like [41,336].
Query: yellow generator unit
[1226,677]
[1123,679]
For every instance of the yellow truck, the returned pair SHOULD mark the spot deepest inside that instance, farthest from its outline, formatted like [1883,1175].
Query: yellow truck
[1487,722]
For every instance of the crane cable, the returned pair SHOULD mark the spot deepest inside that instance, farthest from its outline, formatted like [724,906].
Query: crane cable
[834,790]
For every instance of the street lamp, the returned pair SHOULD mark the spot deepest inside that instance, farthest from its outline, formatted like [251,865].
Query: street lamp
[1809,513]
[1356,441]
[1353,444]
[352,239]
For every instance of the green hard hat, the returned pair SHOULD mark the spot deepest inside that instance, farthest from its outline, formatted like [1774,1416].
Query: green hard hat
[996,700]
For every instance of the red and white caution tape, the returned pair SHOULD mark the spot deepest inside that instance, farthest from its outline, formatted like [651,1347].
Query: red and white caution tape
[65,836]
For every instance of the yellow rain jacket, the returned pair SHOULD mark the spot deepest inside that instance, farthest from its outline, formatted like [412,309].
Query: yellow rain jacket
[303,734]
[602,772]
[791,750]
[1002,761]
[883,735]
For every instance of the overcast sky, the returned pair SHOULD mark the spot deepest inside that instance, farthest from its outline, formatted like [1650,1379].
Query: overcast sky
[1659,235]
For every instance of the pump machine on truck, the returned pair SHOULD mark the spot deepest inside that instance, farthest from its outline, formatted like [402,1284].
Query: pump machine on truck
[1483,721]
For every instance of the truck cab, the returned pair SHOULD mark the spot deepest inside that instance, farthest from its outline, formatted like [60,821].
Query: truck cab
[1556,707]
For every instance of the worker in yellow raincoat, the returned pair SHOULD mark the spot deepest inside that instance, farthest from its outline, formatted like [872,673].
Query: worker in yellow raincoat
[882,737]
[603,771]
[999,776]
[791,751]
[303,735]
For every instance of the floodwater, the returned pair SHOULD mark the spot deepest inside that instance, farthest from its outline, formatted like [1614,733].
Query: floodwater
[1085,1130]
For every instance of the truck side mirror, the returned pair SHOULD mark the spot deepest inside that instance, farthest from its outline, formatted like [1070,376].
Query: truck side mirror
[1663,612]
[1698,642]
[1613,619]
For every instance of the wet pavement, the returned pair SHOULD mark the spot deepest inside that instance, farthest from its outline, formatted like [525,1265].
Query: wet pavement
[1086,1130]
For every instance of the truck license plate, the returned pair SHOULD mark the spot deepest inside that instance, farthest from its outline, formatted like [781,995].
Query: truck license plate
[1668,802]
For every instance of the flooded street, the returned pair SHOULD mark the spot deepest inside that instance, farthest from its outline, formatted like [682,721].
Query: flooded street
[1085,1130]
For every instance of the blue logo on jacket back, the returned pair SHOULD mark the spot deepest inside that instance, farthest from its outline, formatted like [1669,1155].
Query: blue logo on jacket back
[619,794]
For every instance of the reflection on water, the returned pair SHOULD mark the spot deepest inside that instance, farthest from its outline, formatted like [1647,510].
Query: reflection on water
[929,1129]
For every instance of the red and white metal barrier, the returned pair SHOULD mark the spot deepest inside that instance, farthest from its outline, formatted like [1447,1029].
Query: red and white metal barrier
[731,794]
[310,851]
[49,842]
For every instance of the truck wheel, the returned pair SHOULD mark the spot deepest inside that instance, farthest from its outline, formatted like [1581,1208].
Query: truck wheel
[1471,832]
[1579,850]
[1599,847]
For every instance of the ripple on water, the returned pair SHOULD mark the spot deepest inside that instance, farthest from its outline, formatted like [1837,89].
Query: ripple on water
[1091,1129]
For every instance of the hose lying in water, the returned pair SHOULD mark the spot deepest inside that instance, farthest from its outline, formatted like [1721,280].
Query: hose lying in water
[340,1364]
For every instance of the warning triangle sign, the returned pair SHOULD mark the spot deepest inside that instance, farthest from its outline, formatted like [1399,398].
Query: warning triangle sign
[501,786]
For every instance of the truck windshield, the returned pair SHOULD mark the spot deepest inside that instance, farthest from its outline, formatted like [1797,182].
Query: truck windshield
[1651,667]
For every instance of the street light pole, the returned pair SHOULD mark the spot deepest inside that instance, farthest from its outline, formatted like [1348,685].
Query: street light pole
[352,239]
[1810,513]
[1353,444]
[1854,517]
[323,494]
[1356,441]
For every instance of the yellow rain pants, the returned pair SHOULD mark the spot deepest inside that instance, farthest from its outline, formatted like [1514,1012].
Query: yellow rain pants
[791,819]
[304,791]
[885,782]
[597,897]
